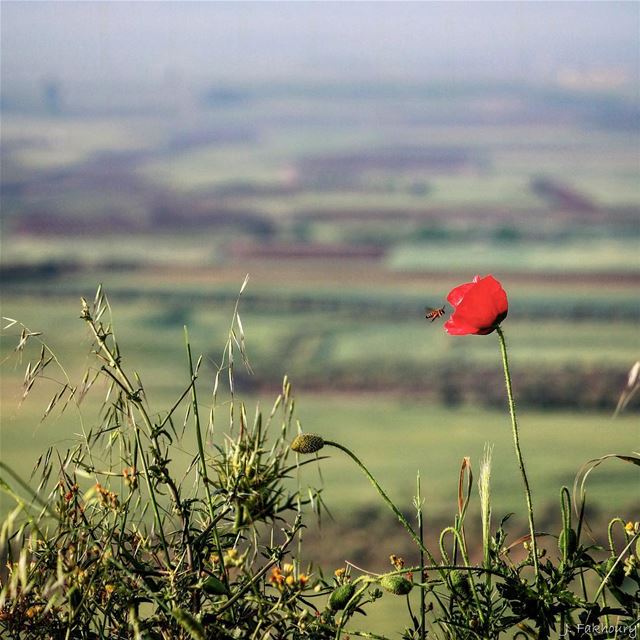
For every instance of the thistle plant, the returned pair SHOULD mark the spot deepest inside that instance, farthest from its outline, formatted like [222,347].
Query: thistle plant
[118,540]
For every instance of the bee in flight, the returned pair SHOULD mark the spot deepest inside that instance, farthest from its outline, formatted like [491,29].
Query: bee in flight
[433,314]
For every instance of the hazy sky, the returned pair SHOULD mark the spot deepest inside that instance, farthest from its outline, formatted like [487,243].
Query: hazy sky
[102,42]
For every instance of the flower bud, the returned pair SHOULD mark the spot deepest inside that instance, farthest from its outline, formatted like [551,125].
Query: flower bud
[398,585]
[307,443]
[75,597]
[461,583]
[568,542]
[340,597]
[617,575]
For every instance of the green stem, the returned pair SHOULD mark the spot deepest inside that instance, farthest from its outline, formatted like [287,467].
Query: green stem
[516,442]
[385,497]
[612,546]
[196,419]
[423,590]
[152,494]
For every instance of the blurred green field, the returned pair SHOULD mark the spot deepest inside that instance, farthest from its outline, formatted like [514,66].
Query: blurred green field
[593,255]
[51,142]
[590,256]
[396,438]
[279,132]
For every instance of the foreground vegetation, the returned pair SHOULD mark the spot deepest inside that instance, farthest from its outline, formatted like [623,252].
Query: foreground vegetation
[119,541]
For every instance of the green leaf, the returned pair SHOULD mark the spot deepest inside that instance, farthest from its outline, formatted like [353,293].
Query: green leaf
[214,586]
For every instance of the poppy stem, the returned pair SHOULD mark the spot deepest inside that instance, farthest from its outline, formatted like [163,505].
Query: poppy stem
[516,442]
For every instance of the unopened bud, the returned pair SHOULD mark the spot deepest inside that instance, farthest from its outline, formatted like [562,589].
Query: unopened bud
[568,542]
[340,597]
[461,583]
[307,443]
[398,585]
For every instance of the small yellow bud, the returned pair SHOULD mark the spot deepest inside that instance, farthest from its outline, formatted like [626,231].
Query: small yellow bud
[33,612]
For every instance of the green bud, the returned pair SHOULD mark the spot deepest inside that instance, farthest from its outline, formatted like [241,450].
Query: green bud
[567,543]
[398,585]
[617,575]
[307,443]
[340,597]
[461,583]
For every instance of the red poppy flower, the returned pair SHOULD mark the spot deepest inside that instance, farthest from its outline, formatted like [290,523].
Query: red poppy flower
[478,307]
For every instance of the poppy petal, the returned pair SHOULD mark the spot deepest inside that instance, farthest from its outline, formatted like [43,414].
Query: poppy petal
[456,295]
[456,328]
